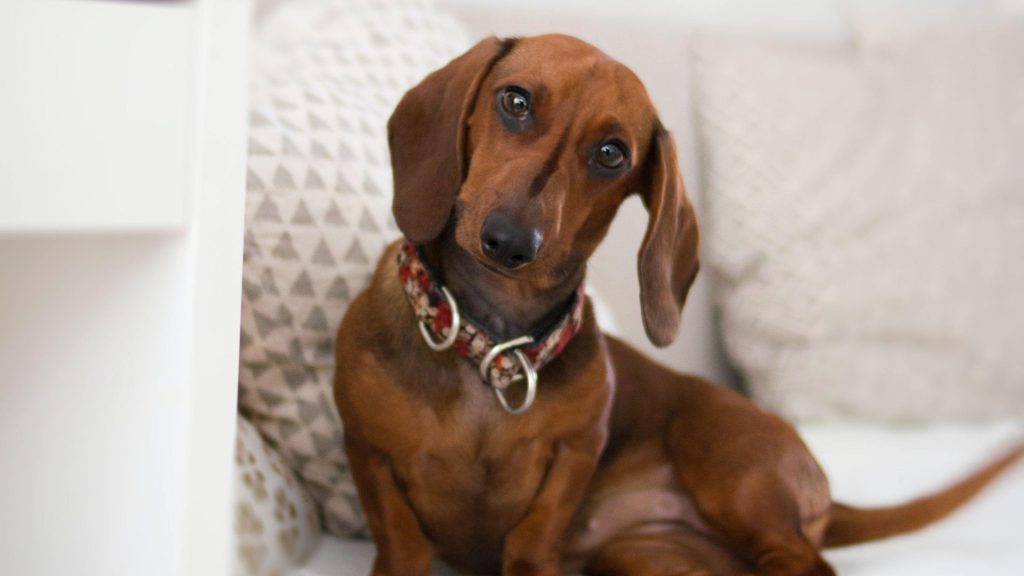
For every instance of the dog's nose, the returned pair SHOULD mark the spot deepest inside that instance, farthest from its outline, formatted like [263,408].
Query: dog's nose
[508,243]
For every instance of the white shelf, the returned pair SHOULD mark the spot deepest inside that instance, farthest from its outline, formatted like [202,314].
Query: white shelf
[96,115]
[119,351]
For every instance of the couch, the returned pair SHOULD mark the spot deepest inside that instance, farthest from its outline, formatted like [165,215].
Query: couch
[872,456]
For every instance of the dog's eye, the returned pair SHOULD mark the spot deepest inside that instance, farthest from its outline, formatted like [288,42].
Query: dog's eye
[611,155]
[516,102]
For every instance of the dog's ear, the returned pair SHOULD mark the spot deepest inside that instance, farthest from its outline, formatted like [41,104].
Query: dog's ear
[668,259]
[426,134]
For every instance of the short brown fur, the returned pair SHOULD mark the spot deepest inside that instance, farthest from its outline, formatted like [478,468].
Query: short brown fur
[622,467]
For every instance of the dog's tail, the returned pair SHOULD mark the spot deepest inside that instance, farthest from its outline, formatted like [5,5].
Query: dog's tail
[849,525]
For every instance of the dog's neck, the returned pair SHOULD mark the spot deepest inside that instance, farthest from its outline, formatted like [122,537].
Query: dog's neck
[507,308]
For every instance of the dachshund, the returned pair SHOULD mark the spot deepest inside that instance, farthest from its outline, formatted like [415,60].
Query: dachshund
[487,418]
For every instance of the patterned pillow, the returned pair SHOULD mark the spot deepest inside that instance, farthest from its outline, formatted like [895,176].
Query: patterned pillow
[318,214]
[864,216]
[276,523]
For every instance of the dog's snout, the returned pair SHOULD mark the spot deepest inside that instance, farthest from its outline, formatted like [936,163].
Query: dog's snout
[508,243]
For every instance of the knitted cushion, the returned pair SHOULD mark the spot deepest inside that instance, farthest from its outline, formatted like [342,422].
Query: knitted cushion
[326,78]
[864,214]
[276,523]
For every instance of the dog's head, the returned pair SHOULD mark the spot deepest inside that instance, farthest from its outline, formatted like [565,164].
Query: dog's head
[532,144]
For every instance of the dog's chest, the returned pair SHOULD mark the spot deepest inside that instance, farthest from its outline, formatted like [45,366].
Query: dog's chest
[477,446]
[475,472]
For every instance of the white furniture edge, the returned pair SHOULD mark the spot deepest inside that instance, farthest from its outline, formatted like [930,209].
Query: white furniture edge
[218,203]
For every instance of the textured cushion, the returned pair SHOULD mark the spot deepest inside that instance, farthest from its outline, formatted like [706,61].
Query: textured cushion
[864,216]
[276,524]
[326,77]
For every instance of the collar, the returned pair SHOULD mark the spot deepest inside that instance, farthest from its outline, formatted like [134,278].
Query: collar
[500,364]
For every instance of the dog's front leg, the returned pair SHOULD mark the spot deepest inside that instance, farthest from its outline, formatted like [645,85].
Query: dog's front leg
[533,546]
[402,548]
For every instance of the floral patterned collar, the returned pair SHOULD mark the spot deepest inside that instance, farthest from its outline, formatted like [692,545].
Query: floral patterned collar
[500,364]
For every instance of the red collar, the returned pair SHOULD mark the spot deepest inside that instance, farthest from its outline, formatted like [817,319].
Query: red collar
[500,364]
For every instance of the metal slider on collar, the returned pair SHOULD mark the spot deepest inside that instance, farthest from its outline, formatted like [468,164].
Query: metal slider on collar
[524,363]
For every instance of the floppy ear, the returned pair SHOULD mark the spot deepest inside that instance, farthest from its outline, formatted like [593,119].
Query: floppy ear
[426,134]
[668,259]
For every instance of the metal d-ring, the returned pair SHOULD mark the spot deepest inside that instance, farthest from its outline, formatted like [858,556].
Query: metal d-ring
[453,332]
[531,387]
[524,363]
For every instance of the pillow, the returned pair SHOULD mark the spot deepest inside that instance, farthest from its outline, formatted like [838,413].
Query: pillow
[864,215]
[276,524]
[318,212]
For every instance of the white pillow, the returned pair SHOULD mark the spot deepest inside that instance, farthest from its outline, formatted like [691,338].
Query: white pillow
[318,212]
[865,216]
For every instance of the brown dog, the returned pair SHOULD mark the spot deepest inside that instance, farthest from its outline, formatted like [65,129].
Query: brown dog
[509,165]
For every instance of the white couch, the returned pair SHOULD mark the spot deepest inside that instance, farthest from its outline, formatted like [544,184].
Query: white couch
[868,464]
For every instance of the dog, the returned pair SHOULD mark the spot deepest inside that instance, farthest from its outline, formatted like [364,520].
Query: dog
[487,418]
